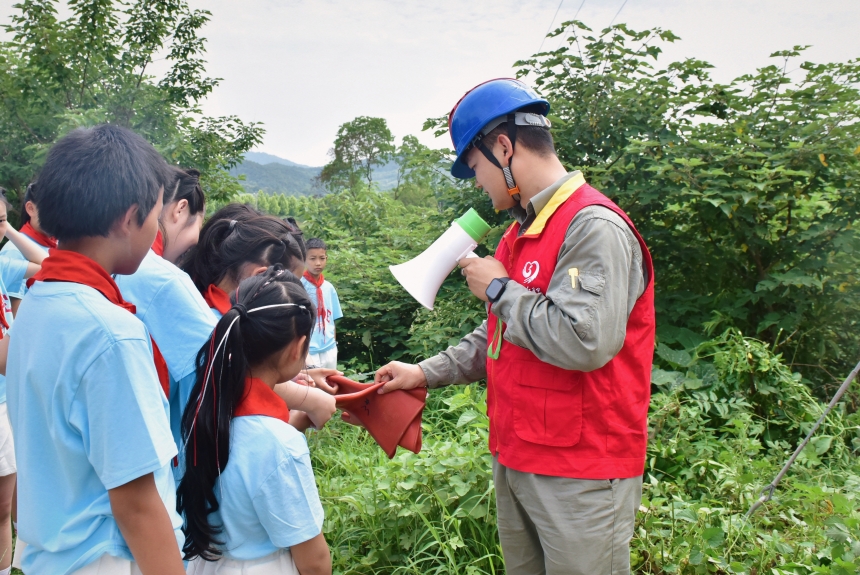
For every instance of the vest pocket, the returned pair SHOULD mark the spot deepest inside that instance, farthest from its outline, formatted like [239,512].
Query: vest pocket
[547,404]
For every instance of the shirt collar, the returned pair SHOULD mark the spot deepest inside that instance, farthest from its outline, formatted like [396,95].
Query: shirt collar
[526,216]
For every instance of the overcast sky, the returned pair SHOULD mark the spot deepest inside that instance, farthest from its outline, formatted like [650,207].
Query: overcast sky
[304,67]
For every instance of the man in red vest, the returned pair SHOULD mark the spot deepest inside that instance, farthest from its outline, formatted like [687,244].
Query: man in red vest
[566,349]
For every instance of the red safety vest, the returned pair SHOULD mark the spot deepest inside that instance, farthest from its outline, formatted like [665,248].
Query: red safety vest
[553,421]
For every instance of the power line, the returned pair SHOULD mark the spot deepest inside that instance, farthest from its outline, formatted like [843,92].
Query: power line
[619,12]
[561,41]
[550,25]
[578,9]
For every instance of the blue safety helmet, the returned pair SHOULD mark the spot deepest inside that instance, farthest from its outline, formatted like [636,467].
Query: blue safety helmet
[480,106]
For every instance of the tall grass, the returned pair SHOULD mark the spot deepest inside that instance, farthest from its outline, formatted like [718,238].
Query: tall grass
[724,416]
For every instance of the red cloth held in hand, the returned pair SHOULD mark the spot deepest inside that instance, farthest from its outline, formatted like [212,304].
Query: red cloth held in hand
[392,419]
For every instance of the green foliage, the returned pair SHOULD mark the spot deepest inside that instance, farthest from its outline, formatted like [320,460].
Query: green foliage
[360,145]
[725,414]
[745,192]
[59,74]
[366,232]
[428,513]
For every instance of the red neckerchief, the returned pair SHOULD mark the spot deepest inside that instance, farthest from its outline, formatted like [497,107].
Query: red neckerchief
[72,267]
[321,311]
[3,322]
[260,399]
[217,299]
[40,238]
[158,244]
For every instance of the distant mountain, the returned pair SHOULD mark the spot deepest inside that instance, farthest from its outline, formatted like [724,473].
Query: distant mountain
[273,175]
[262,158]
[278,178]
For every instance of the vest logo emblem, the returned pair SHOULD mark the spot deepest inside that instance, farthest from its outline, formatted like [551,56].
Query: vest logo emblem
[530,272]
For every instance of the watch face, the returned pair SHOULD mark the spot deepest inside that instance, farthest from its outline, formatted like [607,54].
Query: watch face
[494,290]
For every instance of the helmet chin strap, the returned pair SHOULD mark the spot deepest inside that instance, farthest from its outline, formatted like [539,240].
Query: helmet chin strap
[513,189]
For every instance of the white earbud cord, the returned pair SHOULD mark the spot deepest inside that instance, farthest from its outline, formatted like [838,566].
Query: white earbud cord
[212,362]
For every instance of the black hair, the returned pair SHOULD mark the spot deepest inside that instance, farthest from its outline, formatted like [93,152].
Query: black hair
[249,339]
[238,234]
[29,196]
[536,138]
[316,244]
[186,187]
[297,233]
[92,176]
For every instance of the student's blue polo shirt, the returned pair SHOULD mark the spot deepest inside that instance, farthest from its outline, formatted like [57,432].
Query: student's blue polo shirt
[88,415]
[177,317]
[267,494]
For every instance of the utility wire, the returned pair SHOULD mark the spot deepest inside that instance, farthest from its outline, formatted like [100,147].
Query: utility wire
[561,41]
[554,16]
[619,12]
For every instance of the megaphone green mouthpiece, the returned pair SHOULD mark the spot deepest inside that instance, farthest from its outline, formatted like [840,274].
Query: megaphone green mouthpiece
[474,225]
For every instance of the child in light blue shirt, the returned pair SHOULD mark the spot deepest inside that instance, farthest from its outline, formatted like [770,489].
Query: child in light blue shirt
[13,272]
[323,349]
[248,495]
[96,490]
[165,297]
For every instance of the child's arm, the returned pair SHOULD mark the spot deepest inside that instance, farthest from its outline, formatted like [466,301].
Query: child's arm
[4,353]
[300,420]
[146,527]
[318,404]
[312,557]
[28,249]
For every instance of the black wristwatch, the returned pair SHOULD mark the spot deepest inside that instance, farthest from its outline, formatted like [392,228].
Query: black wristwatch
[496,289]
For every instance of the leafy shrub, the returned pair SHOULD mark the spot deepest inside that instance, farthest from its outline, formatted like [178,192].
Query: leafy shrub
[725,414]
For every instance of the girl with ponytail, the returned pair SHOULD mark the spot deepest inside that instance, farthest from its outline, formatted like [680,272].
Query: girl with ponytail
[248,496]
[236,243]
[239,242]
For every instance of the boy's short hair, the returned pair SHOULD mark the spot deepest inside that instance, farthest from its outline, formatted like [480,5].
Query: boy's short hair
[316,244]
[92,176]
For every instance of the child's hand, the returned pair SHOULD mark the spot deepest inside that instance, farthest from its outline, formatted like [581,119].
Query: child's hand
[347,417]
[319,374]
[319,406]
[304,379]
[300,420]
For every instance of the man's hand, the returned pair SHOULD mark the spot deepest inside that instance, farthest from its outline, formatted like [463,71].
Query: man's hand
[480,272]
[398,375]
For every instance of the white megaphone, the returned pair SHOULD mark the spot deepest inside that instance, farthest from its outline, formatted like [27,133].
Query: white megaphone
[423,275]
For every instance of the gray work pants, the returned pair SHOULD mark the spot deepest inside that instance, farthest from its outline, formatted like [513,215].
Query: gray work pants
[562,526]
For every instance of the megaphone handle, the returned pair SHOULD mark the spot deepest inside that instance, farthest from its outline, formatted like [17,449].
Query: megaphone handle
[468,253]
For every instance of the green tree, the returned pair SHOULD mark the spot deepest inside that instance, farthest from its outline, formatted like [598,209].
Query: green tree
[746,192]
[422,173]
[360,145]
[93,67]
